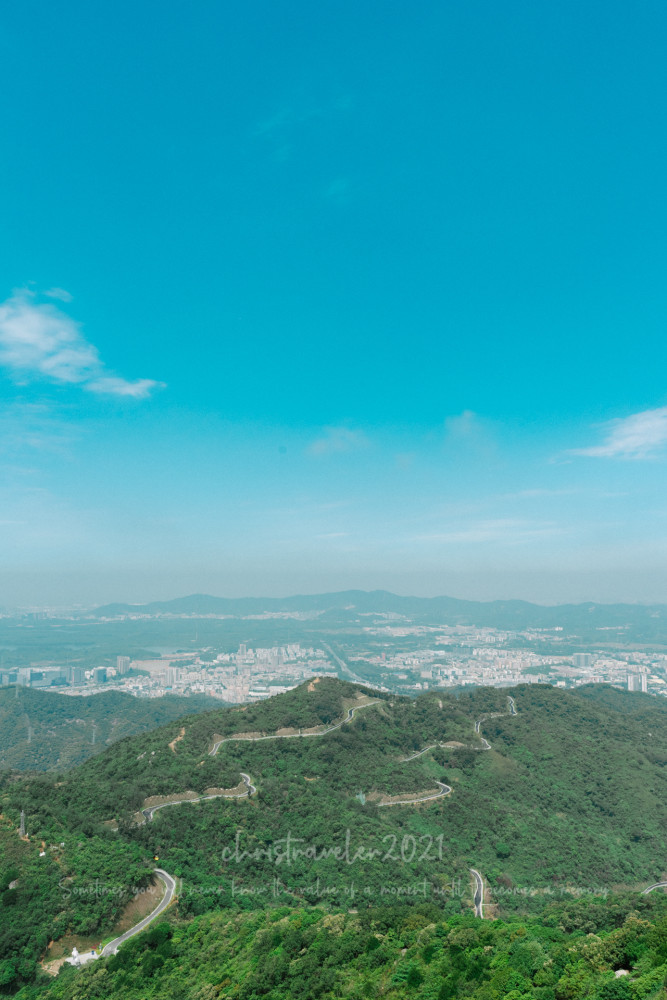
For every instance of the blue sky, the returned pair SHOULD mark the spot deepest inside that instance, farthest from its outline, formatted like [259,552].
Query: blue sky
[303,297]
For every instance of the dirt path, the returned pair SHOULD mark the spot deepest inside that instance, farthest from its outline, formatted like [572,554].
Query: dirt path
[177,739]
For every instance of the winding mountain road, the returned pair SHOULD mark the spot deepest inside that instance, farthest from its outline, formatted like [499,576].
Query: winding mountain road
[487,745]
[478,897]
[293,736]
[149,812]
[404,760]
[657,885]
[250,790]
[478,723]
[169,890]
[444,790]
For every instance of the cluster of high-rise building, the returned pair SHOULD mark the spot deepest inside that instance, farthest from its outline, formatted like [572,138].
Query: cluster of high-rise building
[393,655]
[247,675]
[468,655]
[43,676]
[71,675]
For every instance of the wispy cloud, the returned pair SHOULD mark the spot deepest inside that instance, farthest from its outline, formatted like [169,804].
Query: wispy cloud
[58,293]
[467,433]
[338,439]
[115,386]
[538,493]
[27,428]
[508,530]
[641,435]
[39,341]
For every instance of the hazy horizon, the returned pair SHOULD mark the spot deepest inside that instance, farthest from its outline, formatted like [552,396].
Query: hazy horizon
[169,594]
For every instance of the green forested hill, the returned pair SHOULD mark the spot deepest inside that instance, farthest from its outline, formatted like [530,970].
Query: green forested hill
[575,951]
[45,731]
[571,799]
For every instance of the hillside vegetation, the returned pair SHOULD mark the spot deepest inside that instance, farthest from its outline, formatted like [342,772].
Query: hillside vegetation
[47,731]
[571,799]
[613,951]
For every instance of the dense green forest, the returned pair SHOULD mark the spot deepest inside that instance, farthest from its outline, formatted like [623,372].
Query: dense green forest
[571,799]
[47,731]
[613,950]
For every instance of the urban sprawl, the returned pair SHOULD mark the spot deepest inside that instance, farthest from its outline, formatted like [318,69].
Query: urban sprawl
[390,655]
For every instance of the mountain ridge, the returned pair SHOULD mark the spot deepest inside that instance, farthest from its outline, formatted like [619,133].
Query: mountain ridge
[547,788]
[517,613]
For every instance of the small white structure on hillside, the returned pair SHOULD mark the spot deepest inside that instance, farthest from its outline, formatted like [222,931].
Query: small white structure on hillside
[77,959]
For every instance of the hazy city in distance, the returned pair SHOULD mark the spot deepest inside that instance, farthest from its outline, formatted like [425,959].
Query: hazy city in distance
[245,650]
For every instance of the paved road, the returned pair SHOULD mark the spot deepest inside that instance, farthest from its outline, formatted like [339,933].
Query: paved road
[344,667]
[292,736]
[478,898]
[414,756]
[250,790]
[487,745]
[246,781]
[170,888]
[658,885]
[444,790]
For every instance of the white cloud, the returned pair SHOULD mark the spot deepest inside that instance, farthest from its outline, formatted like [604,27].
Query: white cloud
[640,435]
[112,384]
[40,341]
[58,293]
[338,439]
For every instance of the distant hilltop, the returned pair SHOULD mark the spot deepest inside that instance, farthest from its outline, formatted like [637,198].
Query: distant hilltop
[651,619]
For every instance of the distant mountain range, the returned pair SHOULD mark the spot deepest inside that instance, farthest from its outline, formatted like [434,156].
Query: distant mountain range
[649,619]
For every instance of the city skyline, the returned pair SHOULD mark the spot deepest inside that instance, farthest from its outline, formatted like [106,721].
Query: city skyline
[335,299]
